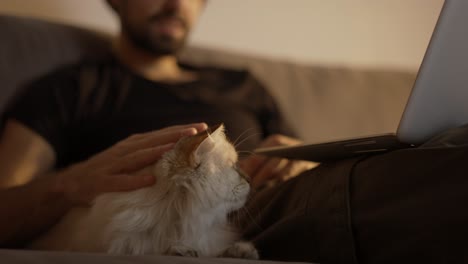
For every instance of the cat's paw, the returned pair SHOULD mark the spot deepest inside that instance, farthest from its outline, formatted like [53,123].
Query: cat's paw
[245,250]
[182,251]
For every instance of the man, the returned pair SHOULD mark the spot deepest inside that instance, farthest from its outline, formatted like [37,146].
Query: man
[59,148]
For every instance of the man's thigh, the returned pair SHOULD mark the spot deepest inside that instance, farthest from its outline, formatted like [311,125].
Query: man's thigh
[410,206]
[306,218]
[403,206]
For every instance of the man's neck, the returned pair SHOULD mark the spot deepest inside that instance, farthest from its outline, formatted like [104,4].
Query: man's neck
[150,66]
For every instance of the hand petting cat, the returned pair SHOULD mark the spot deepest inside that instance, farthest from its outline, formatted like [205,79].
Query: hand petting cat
[113,169]
[262,169]
[186,213]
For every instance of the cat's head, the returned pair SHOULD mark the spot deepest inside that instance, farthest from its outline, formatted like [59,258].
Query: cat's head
[203,168]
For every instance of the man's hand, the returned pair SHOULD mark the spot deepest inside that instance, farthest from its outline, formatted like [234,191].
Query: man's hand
[113,169]
[262,169]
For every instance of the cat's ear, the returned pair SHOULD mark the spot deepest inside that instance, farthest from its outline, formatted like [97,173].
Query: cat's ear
[217,132]
[195,147]
[190,147]
[212,135]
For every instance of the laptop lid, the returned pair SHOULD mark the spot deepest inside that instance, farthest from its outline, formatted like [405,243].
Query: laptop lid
[439,98]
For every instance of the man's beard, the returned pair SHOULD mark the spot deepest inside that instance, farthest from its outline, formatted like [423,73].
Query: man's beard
[153,43]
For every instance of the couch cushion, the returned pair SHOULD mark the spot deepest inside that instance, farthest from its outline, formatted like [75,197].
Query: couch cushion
[32,47]
[45,257]
[324,102]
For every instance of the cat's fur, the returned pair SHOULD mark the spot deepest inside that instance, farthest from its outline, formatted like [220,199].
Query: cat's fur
[184,213]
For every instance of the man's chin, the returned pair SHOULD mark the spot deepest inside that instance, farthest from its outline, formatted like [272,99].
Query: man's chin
[161,47]
[166,50]
[165,45]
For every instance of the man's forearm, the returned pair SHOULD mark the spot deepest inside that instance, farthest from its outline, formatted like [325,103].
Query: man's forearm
[28,210]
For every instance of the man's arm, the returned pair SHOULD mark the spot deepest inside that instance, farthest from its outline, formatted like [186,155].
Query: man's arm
[29,209]
[32,198]
[23,155]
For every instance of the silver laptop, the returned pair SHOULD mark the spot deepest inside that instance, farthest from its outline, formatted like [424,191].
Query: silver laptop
[438,100]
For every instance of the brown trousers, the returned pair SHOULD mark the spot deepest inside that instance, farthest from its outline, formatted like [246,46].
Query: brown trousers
[406,206]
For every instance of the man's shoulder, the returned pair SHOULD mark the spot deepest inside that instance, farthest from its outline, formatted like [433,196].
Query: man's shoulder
[65,80]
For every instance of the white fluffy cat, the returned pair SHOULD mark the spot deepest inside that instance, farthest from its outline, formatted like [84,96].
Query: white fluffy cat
[184,213]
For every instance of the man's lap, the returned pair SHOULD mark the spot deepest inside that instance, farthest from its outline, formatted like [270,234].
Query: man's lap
[402,206]
[409,206]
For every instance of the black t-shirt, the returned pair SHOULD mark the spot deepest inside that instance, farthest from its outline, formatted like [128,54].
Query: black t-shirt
[83,109]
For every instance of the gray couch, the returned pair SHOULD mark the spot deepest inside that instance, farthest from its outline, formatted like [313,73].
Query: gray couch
[320,102]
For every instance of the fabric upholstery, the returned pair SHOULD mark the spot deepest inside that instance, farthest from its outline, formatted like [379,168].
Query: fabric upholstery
[324,102]
[35,257]
[30,48]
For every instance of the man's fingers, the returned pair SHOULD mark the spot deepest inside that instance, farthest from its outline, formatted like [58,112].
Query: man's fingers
[279,140]
[109,170]
[161,138]
[152,139]
[251,164]
[198,126]
[295,168]
[288,171]
[300,166]
[268,170]
[140,159]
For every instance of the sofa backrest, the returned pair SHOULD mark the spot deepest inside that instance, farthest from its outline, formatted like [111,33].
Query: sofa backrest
[32,47]
[319,102]
[324,103]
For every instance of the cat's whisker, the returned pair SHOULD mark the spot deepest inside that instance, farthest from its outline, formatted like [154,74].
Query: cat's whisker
[243,133]
[250,216]
[245,139]
[245,152]
[235,218]
[238,219]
